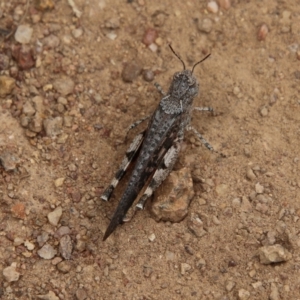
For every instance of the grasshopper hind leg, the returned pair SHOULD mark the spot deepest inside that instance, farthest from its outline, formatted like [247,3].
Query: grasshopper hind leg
[129,156]
[161,173]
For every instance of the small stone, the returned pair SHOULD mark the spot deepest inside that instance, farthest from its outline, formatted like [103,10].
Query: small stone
[250,174]
[221,189]
[184,267]
[151,237]
[264,112]
[273,254]
[64,85]
[23,34]
[111,35]
[81,294]
[28,109]
[225,4]
[77,33]
[153,47]
[44,5]
[7,85]
[195,225]
[9,160]
[243,294]
[205,25]
[257,284]
[173,201]
[246,205]
[18,210]
[66,247]
[131,71]
[51,41]
[112,23]
[148,75]
[212,7]
[274,295]
[216,221]
[24,56]
[229,285]
[53,126]
[259,189]
[80,245]
[147,271]
[18,241]
[10,273]
[43,238]
[55,215]
[30,246]
[170,256]
[150,36]
[262,32]
[64,266]
[47,252]
[59,182]
[56,260]
[236,202]
[61,231]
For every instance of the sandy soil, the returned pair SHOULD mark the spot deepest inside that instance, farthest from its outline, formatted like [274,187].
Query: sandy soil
[247,200]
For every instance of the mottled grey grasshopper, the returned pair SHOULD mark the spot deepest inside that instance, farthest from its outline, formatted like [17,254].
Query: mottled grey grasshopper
[156,149]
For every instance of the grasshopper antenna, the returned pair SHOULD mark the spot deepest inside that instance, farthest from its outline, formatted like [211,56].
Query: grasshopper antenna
[207,56]
[178,56]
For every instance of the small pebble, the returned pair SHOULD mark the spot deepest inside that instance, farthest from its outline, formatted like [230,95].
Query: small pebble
[148,75]
[274,295]
[59,182]
[151,237]
[205,25]
[184,267]
[66,247]
[259,189]
[243,294]
[23,34]
[30,246]
[153,47]
[51,41]
[43,238]
[131,71]
[53,126]
[54,216]
[112,23]
[230,285]
[64,266]
[150,36]
[10,273]
[47,252]
[24,56]
[212,7]
[225,4]
[273,254]
[64,85]
[111,35]
[77,33]
[264,112]
[250,174]
[262,32]
[7,85]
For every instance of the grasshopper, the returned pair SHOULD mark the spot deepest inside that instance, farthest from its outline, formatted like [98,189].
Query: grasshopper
[156,149]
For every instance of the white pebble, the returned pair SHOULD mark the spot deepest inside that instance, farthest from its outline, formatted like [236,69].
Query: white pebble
[151,237]
[23,34]
[153,47]
[213,7]
[111,35]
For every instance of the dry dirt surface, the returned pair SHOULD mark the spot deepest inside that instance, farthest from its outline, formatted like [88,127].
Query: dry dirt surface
[74,75]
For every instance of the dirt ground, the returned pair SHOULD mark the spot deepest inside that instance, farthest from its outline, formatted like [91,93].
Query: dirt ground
[63,123]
